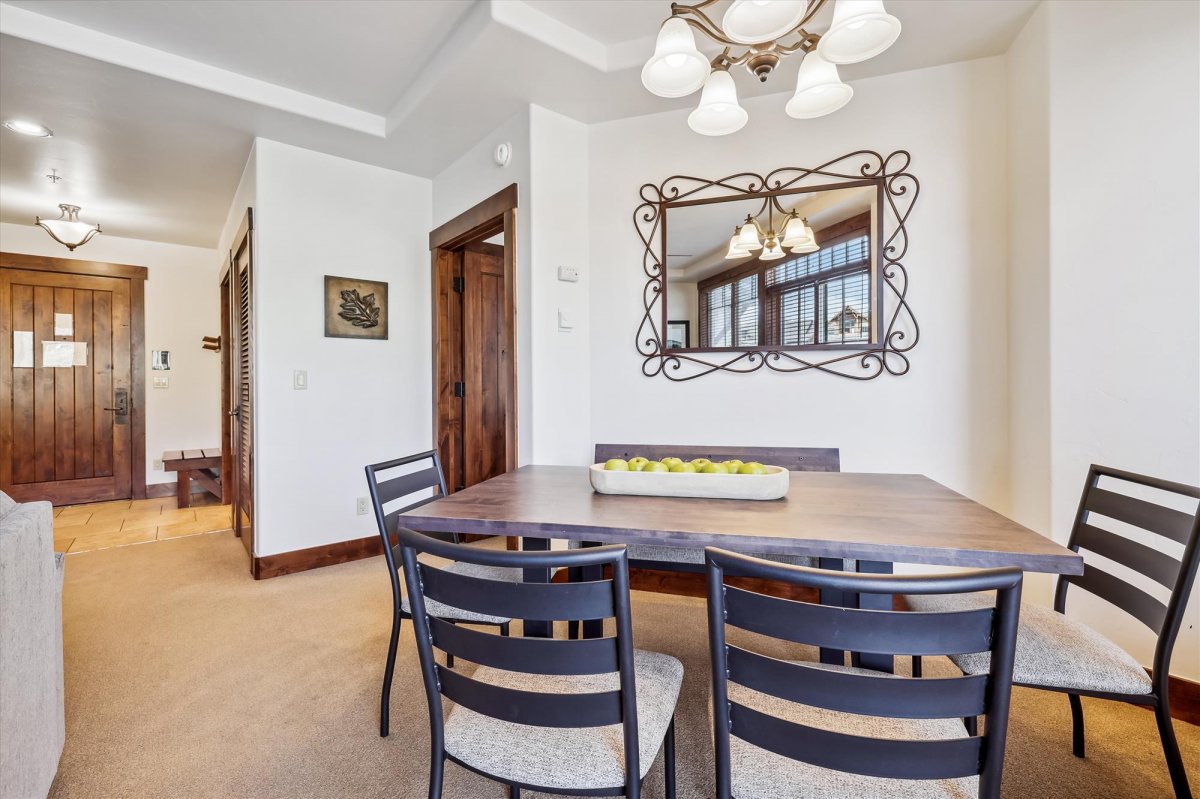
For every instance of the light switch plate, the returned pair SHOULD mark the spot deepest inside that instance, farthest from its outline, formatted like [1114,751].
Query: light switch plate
[566,320]
[300,379]
[568,274]
[162,381]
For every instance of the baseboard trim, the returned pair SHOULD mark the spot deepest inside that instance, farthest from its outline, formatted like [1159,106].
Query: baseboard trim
[299,560]
[1184,697]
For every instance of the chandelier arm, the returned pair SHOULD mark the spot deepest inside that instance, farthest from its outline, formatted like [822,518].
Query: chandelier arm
[808,43]
[710,30]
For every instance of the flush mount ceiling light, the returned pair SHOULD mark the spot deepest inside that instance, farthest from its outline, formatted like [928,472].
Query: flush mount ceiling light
[67,230]
[26,128]
[858,30]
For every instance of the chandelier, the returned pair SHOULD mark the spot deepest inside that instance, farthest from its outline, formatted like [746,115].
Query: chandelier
[794,234]
[67,230]
[860,29]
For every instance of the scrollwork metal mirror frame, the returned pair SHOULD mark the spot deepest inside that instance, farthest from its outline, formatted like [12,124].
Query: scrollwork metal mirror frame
[888,352]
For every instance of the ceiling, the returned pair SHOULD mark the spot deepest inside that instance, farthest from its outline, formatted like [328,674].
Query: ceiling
[155,104]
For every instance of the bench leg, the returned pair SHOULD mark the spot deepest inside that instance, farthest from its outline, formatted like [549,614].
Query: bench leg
[184,492]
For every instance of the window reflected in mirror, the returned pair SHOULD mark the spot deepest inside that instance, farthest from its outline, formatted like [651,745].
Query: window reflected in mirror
[789,270]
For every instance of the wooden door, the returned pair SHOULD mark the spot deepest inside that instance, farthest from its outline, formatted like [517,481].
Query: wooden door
[70,432]
[241,336]
[484,338]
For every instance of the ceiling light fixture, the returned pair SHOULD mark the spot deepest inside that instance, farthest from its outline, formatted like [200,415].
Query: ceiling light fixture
[752,235]
[26,128]
[860,29]
[67,230]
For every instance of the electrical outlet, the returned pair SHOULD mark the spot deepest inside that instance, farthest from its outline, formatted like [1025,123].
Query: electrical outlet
[158,464]
[364,506]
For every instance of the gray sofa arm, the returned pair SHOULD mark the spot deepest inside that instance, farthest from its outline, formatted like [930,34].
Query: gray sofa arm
[32,724]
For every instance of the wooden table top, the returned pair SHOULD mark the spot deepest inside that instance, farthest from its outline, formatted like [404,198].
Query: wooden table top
[900,518]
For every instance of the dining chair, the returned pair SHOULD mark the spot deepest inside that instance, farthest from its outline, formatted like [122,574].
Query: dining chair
[1141,536]
[794,729]
[584,718]
[685,559]
[393,485]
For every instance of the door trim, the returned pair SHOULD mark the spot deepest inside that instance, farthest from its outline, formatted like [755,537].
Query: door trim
[496,214]
[137,277]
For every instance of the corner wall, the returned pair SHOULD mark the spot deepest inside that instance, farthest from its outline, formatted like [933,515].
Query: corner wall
[366,401]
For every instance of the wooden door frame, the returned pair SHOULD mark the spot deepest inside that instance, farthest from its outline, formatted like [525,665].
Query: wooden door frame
[137,277]
[496,214]
[243,240]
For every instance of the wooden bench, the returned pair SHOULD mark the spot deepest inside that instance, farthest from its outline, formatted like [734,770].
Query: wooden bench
[194,464]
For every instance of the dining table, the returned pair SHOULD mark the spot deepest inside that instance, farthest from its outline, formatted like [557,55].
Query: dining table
[852,521]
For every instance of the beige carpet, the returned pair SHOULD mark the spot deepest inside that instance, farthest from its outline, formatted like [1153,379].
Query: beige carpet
[185,678]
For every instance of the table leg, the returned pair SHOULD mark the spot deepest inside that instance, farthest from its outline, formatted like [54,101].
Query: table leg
[592,628]
[837,599]
[183,493]
[536,628]
[869,660]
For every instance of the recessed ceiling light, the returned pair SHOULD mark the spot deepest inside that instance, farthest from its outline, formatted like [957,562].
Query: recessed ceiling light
[28,128]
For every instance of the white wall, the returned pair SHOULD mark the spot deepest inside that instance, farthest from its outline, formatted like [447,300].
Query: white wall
[1124,340]
[948,418]
[367,400]
[182,306]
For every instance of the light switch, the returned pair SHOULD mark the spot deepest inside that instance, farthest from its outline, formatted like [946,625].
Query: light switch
[566,320]
[568,274]
[162,381]
[300,380]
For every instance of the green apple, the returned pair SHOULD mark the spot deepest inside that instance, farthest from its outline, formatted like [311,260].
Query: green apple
[685,468]
[714,468]
[700,463]
[655,466]
[732,465]
[616,465]
[636,464]
[753,467]
[671,461]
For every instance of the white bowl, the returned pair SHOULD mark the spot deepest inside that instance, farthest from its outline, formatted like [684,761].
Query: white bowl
[772,485]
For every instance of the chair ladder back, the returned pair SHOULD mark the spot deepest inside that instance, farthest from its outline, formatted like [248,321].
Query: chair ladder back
[1090,534]
[991,630]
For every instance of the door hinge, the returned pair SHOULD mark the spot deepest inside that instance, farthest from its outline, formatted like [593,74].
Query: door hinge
[459,284]
[460,389]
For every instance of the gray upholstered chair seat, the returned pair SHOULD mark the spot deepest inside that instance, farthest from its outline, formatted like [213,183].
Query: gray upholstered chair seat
[691,555]
[566,758]
[759,774]
[1052,650]
[435,608]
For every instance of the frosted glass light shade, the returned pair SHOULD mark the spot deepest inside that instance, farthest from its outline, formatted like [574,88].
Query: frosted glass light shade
[819,90]
[758,21]
[718,113]
[796,233]
[67,230]
[805,248]
[772,252]
[735,249]
[677,68]
[861,29]
[747,237]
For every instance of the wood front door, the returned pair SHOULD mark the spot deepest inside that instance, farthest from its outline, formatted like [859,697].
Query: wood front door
[483,343]
[240,337]
[71,379]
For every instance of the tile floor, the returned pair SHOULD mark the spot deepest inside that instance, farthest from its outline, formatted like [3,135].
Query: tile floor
[80,528]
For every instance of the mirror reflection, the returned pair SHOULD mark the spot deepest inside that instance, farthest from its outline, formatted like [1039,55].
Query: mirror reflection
[791,270]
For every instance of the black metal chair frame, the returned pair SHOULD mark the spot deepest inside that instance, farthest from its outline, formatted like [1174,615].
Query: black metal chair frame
[882,631]
[1177,575]
[599,599]
[382,493]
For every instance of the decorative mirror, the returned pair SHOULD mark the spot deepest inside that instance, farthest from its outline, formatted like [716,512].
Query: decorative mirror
[797,270]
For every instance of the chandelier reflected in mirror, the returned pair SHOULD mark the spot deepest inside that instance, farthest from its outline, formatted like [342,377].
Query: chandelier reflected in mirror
[770,243]
[769,31]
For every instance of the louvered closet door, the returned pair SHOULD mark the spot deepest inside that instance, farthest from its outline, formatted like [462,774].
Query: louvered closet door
[242,322]
[66,399]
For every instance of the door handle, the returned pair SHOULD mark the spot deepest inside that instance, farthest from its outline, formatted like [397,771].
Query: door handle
[122,409]
[236,412]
